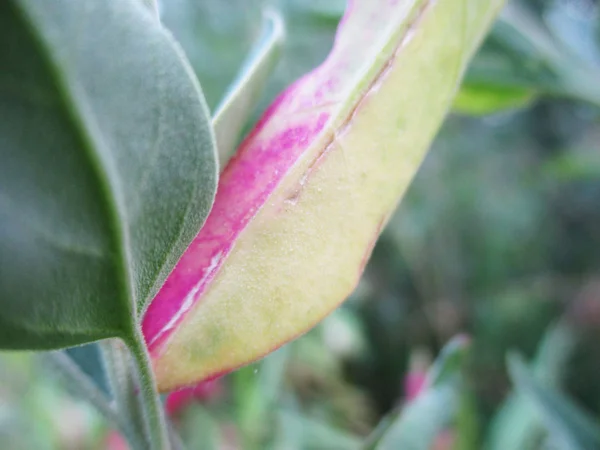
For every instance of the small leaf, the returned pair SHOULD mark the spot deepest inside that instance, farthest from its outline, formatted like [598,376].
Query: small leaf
[564,421]
[82,386]
[522,55]
[417,426]
[302,433]
[574,165]
[216,36]
[108,167]
[450,360]
[467,422]
[516,424]
[89,359]
[481,99]
[256,390]
[234,110]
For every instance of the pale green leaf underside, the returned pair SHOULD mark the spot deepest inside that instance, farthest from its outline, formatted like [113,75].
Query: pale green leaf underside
[108,167]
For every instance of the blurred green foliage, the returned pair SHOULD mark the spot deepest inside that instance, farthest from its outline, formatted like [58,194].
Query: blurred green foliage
[498,237]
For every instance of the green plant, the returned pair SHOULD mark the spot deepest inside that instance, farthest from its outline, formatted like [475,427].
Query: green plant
[109,171]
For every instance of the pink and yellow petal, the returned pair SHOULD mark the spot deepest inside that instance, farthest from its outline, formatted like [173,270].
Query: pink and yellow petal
[300,206]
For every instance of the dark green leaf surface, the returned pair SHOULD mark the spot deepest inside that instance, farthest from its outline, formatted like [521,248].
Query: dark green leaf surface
[108,167]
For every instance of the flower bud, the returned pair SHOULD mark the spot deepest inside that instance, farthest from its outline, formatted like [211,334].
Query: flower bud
[301,204]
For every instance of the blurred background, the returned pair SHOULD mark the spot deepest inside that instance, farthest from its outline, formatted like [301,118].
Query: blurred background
[497,239]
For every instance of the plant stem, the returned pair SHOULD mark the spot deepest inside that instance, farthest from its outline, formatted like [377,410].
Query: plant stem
[155,424]
[123,383]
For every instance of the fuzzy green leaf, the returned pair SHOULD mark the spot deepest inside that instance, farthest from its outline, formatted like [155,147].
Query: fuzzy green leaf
[108,167]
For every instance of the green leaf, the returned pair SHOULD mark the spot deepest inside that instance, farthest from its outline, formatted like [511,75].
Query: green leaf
[421,421]
[328,10]
[88,358]
[568,425]
[108,168]
[467,423]
[522,55]
[517,425]
[223,33]
[450,361]
[240,101]
[80,385]
[302,433]
[256,390]
[418,425]
[216,36]
[482,99]
[200,430]
[574,165]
